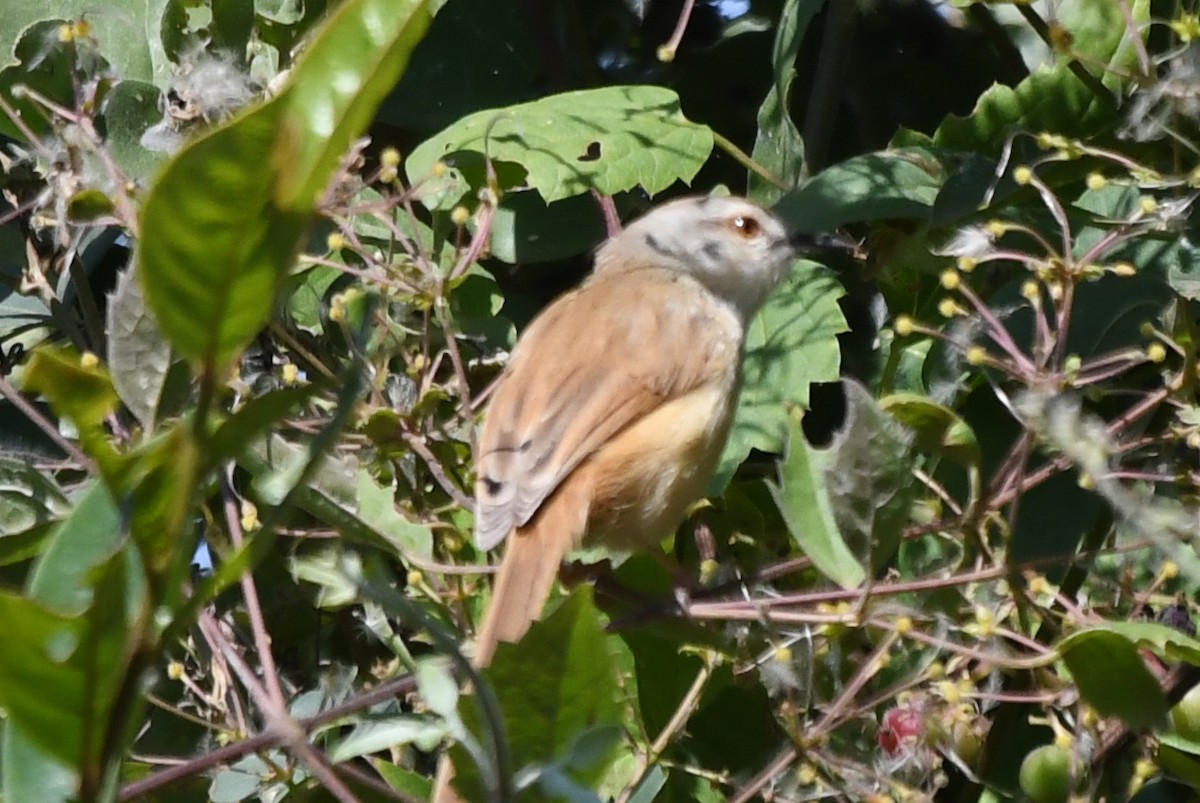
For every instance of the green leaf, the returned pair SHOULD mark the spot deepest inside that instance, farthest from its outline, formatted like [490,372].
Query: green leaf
[557,683]
[867,471]
[937,428]
[790,345]
[1113,677]
[1053,98]
[778,146]
[611,139]
[30,773]
[60,675]
[237,433]
[88,205]
[899,183]
[138,355]
[526,229]
[129,110]
[1164,641]
[377,509]
[41,63]
[807,509]
[356,58]
[81,392]
[332,495]
[28,498]
[222,225]
[215,246]
[416,786]
[378,734]
[85,541]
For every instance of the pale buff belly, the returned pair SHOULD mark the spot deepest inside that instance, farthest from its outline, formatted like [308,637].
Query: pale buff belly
[643,480]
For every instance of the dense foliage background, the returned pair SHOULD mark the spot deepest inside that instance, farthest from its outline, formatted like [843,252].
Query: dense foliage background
[263,260]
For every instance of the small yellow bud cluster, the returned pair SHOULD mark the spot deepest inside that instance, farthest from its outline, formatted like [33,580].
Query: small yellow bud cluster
[336,241]
[1096,181]
[389,157]
[951,279]
[1023,175]
[1186,27]
[88,360]
[459,215]
[949,308]
[976,355]
[74,31]
[903,325]
[249,516]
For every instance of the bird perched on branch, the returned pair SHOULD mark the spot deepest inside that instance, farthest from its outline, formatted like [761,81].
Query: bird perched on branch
[615,407]
[609,420]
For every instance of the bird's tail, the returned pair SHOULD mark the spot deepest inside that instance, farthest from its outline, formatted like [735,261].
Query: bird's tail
[531,562]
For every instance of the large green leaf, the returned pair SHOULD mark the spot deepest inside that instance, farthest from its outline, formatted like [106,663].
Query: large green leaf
[222,225]
[807,507]
[611,139]
[1112,676]
[778,146]
[137,354]
[1054,98]
[867,472]
[556,687]
[68,640]
[790,345]
[900,183]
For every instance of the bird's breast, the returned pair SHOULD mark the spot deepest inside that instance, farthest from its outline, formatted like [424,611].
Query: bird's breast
[645,478]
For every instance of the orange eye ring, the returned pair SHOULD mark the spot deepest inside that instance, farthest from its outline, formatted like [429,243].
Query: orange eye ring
[746,227]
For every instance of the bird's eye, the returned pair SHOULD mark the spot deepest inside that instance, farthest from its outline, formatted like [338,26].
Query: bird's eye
[746,227]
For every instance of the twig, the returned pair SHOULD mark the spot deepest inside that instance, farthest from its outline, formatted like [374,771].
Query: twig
[45,425]
[262,640]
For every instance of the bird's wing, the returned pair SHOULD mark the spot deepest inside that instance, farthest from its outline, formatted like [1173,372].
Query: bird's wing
[595,361]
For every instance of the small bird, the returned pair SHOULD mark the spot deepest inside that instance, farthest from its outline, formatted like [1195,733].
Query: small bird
[612,413]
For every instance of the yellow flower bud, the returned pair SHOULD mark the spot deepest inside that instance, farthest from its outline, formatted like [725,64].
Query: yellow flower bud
[1023,175]
[389,157]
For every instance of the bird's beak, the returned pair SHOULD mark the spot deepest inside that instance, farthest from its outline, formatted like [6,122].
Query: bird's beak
[806,244]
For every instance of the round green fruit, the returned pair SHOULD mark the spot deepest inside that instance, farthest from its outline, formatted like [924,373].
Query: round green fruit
[1185,716]
[1046,774]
